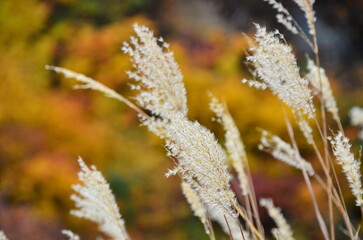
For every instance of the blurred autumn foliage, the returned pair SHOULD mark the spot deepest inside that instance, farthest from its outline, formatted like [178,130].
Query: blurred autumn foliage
[44,125]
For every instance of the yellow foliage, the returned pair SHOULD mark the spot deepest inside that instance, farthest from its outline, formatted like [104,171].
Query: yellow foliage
[44,125]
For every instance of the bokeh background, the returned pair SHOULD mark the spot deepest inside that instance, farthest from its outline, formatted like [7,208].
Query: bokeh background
[45,125]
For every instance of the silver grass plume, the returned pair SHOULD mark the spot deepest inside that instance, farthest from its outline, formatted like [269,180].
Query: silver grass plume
[276,66]
[234,144]
[232,228]
[256,84]
[2,236]
[94,201]
[196,205]
[305,127]
[201,162]
[351,167]
[307,7]
[283,16]
[323,87]
[356,119]
[283,151]
[283,230]
[70,235]
[158,77]
[200,159]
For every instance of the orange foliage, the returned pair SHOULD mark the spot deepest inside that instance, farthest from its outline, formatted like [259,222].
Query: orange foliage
[44,125]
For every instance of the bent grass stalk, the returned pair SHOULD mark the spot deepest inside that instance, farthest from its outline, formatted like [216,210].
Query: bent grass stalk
[318,214]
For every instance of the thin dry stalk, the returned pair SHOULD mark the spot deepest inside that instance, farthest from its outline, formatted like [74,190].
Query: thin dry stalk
[337,198]
[196,205]
[340,205]
[237,153]
[283,228]
[249,223]
[311,22]
[229,228]
[89,83]
[319,217]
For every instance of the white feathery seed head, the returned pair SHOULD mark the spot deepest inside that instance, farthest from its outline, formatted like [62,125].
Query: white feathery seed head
[283,16]
[278,6]
[71,235]
[276,67]
[287,22]
[201,162]
[2,236]
[305,127]
[283,151]
[94,201]
[256,84]
[307,7]
[200,159]
[234,144]
[322,87]
[351,167]
[283,229]
[155,125]
[196,205]
[158,77]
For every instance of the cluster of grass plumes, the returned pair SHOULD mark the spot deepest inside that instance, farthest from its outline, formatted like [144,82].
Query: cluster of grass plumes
[201,162]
